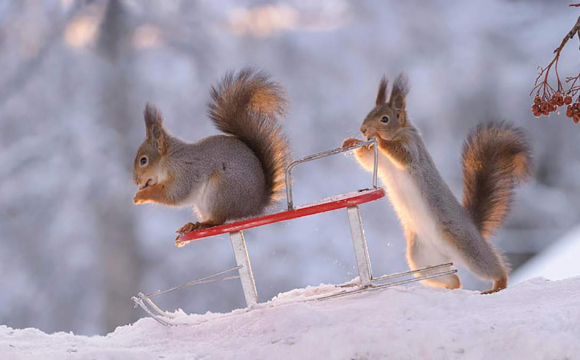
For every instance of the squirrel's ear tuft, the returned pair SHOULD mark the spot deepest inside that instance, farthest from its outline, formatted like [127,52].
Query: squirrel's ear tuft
[382,93]
[399,93]
[152,115]
[154,126]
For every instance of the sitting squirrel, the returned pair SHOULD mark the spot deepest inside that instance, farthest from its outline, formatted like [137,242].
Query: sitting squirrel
[496,156]
[224,177]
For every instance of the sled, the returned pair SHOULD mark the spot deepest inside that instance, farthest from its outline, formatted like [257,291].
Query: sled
[349,201]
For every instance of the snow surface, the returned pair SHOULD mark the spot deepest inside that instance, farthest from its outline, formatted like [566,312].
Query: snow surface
[537,319]
[559,261]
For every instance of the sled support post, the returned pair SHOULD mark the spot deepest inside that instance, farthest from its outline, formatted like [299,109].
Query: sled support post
[245,270]
[361,251]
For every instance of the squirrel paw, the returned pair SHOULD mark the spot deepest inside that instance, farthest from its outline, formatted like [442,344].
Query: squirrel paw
[189,227]
[178,241]
[498,285]
[487,292]
[148,194]
[350,142]
[139,199]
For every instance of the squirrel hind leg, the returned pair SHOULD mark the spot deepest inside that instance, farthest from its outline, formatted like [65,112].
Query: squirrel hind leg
[479,256]
[420,255]
[498,285]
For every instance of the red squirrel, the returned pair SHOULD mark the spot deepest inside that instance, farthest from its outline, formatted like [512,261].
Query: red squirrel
[496,157]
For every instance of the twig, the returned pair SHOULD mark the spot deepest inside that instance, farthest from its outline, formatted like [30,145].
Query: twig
[547,98]
[546,71]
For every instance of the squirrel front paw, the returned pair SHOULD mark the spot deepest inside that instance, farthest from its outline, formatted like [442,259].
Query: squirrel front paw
[153,194]
[139,198]
[146,195]
[350,142]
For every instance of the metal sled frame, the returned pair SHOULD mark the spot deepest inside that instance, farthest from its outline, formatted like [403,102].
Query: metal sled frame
[350,201]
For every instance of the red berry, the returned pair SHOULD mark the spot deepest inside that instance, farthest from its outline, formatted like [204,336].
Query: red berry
[568,100]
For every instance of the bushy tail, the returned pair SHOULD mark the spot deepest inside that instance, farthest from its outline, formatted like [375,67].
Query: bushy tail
[246,105]
[496,157]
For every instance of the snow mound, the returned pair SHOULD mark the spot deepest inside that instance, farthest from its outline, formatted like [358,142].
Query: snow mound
[536,319]
[559,261]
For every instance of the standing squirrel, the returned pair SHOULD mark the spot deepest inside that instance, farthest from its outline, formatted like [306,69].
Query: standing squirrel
[223,177]
[496,157]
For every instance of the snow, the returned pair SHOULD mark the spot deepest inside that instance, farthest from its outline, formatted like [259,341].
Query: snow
[559,261]
[536,319]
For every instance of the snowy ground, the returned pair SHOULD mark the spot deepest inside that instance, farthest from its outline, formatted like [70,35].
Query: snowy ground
[537,319]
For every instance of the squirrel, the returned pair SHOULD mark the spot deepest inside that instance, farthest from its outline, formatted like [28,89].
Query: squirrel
[223,177]
[496,157]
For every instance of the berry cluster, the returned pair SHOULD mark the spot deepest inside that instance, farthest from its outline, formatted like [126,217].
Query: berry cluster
[554,97]
[544,106]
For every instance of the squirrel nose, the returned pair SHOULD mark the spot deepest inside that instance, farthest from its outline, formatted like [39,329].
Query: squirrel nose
[363,129]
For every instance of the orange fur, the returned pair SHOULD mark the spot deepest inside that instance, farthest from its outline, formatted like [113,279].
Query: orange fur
[498,285]
[153,194]
[395,150]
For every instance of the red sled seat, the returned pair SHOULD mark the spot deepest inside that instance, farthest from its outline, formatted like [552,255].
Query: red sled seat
[329,204]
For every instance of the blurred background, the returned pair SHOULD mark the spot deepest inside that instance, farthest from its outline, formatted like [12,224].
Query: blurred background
[75,76]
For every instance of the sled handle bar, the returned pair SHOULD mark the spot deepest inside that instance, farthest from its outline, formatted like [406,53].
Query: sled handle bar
[372,142]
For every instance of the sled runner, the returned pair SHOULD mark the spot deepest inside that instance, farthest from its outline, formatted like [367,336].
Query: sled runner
[350,201]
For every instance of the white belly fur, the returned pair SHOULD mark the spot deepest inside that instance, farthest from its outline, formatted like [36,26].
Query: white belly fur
[200,199]
[411,207]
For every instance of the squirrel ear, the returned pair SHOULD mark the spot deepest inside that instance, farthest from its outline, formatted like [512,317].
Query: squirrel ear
[399,93]
[382,93]
[154,127]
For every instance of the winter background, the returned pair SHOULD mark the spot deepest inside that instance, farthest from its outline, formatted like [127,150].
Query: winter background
[76,75]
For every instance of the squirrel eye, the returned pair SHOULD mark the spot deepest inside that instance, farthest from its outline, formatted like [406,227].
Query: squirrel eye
[385,119]
[143,161]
